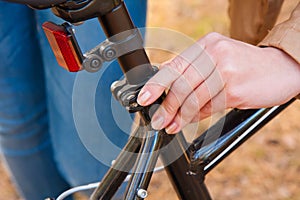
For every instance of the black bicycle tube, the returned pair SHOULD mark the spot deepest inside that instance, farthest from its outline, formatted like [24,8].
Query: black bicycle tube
[187,186]
[239,126]
[135,65]
[118,172]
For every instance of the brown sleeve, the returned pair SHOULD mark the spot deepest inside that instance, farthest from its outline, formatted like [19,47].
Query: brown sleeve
[251,19]
[286,36]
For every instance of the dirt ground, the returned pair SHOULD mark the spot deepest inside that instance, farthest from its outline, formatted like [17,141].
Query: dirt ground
[267,166]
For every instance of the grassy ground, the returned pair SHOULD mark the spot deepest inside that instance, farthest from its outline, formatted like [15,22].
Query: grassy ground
[268,165]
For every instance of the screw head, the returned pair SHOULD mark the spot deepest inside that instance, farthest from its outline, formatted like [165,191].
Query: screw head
[92,63]
[110,54]
[95,63]
[141,193]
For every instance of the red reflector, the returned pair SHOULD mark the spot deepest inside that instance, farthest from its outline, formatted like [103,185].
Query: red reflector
[64,46]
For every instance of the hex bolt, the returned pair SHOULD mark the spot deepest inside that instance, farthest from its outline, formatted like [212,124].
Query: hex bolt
[110,53]
[130,97]
[95,63]
[141,193]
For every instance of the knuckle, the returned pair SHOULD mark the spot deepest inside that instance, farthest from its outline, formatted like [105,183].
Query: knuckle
[223,47]
[213,36]
[195,104]
[180,89]
[227,70]
[233,96]
[207,109]
[170,107]
[170,70]
[178,64]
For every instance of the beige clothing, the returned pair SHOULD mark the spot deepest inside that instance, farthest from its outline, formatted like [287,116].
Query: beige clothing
[252,20]
[286,36]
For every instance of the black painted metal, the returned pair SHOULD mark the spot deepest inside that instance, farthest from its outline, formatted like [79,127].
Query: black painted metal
[233,130]
[119,170]
[135,65]
[81,10]
[187,186]
[137,68]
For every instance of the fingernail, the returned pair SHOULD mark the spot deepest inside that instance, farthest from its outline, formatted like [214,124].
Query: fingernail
[157,123]
[172,128]
[143,98]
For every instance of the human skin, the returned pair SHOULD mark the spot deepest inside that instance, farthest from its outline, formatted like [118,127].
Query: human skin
[217,73]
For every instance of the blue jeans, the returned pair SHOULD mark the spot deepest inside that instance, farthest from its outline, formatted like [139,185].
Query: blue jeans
[39,137]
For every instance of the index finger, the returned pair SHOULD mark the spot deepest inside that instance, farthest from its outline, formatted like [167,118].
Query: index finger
[168,73]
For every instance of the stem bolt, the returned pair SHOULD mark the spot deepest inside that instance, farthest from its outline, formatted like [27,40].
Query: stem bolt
[110,54]
[141,193]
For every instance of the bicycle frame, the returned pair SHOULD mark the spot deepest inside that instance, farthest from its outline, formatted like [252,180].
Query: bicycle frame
[187,172]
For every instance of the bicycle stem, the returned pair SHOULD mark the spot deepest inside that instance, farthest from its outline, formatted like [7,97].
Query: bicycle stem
[135,65]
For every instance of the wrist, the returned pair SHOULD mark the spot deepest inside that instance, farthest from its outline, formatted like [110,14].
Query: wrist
[290,67]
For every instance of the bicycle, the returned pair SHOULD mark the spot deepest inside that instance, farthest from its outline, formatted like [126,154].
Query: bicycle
[197,158]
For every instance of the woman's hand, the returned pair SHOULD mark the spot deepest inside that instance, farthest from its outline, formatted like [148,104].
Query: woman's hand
[218,73]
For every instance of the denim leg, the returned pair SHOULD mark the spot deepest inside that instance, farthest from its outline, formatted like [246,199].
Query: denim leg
[24,137]
[74,156]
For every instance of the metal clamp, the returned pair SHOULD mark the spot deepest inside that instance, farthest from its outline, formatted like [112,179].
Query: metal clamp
[112,48]
[127,93]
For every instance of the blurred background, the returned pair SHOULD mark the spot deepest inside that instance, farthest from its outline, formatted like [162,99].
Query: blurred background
[268,165]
